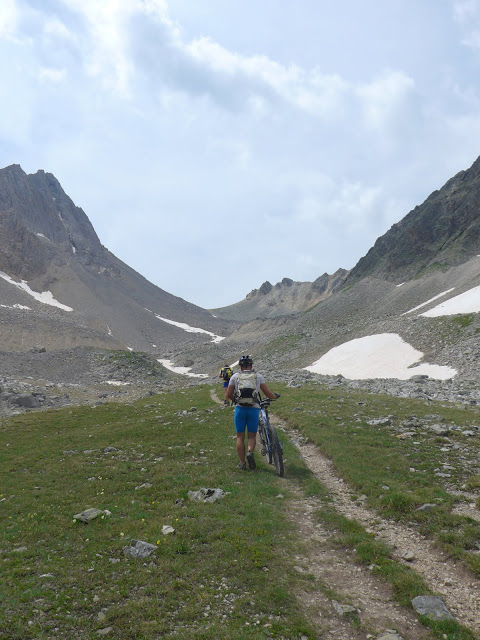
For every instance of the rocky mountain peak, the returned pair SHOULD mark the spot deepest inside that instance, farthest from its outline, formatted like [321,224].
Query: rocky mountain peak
[40,224]
[442,232]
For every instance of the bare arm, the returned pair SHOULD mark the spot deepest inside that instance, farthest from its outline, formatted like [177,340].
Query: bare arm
[230,392]
[267,391]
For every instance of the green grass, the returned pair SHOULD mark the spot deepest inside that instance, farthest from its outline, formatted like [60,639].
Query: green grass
[224,573]
[463,320]
[371,457]
[435,266]
[227,571]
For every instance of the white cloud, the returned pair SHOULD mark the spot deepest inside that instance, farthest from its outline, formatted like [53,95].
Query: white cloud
[174,131]
[464,11]
[54,76]
[384,97]
[9,15]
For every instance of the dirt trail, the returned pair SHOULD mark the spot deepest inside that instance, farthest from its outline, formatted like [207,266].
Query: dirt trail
[459,589]
[351,584]
[337,570]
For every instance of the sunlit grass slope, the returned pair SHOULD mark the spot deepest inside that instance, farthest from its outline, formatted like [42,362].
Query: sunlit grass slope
[223,573]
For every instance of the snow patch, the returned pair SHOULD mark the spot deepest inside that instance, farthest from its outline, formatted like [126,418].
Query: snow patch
[184,371]
[424,304]
[15,306]
[45,297]
[384,355]
[400,285]
[116,383]
[468,302]
[189,329]
[40,235]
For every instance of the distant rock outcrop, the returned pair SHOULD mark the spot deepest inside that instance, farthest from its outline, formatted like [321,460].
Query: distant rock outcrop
[285,298]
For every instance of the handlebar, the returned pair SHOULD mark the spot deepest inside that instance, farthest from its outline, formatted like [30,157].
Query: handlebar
[265,402]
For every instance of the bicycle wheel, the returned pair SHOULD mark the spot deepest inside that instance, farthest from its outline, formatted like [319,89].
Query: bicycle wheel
[277,452]
[263,431]
[266,442]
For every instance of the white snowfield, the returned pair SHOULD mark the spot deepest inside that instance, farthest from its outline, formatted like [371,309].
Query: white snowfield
[424,304]
[45,297]
[468,302]
[189,329]
[185,371]
[384,355]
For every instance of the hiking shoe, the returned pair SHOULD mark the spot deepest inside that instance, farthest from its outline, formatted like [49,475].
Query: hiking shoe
[242,466]
[251,460]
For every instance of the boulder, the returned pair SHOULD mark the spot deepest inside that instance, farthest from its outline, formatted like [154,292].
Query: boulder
[431,606]
[139,549]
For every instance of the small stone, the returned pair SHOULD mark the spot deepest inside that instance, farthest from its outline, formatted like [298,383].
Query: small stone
[408,556]
[167,529]
[390,634]
[426,507]
[145,485]
[206,495]
[439,430]
[88,515]
[344,609]
[139,549]
[431,606]
[105,631]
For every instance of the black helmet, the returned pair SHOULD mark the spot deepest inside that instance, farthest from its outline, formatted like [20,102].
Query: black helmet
[245,361]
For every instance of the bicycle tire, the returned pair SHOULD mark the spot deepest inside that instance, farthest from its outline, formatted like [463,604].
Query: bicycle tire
[277,453]
[267,443]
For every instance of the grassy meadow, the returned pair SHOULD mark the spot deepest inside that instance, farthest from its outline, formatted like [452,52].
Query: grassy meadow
[227,571]
[224,573]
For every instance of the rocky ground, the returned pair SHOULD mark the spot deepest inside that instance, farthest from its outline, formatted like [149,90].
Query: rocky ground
[82,375]
[52,379]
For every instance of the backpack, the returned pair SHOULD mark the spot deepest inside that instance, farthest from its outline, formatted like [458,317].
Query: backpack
[246,394]
[226,373]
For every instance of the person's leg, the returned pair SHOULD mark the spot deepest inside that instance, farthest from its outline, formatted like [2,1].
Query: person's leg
[225,389]
[240,421]
[240,446]
[252,441]
[252,428]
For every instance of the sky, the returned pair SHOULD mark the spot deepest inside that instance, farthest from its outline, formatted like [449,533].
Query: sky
[217,144]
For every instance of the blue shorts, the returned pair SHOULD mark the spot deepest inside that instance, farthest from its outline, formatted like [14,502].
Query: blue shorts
[225,384]
[246,417]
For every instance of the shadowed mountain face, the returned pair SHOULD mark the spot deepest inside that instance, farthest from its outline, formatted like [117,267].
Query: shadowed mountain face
[49,243]
[442,232]
[35,208]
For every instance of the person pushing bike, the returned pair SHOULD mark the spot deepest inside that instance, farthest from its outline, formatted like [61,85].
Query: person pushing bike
[243,389]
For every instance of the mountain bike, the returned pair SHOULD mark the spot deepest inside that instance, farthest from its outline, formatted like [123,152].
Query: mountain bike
[271,445]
